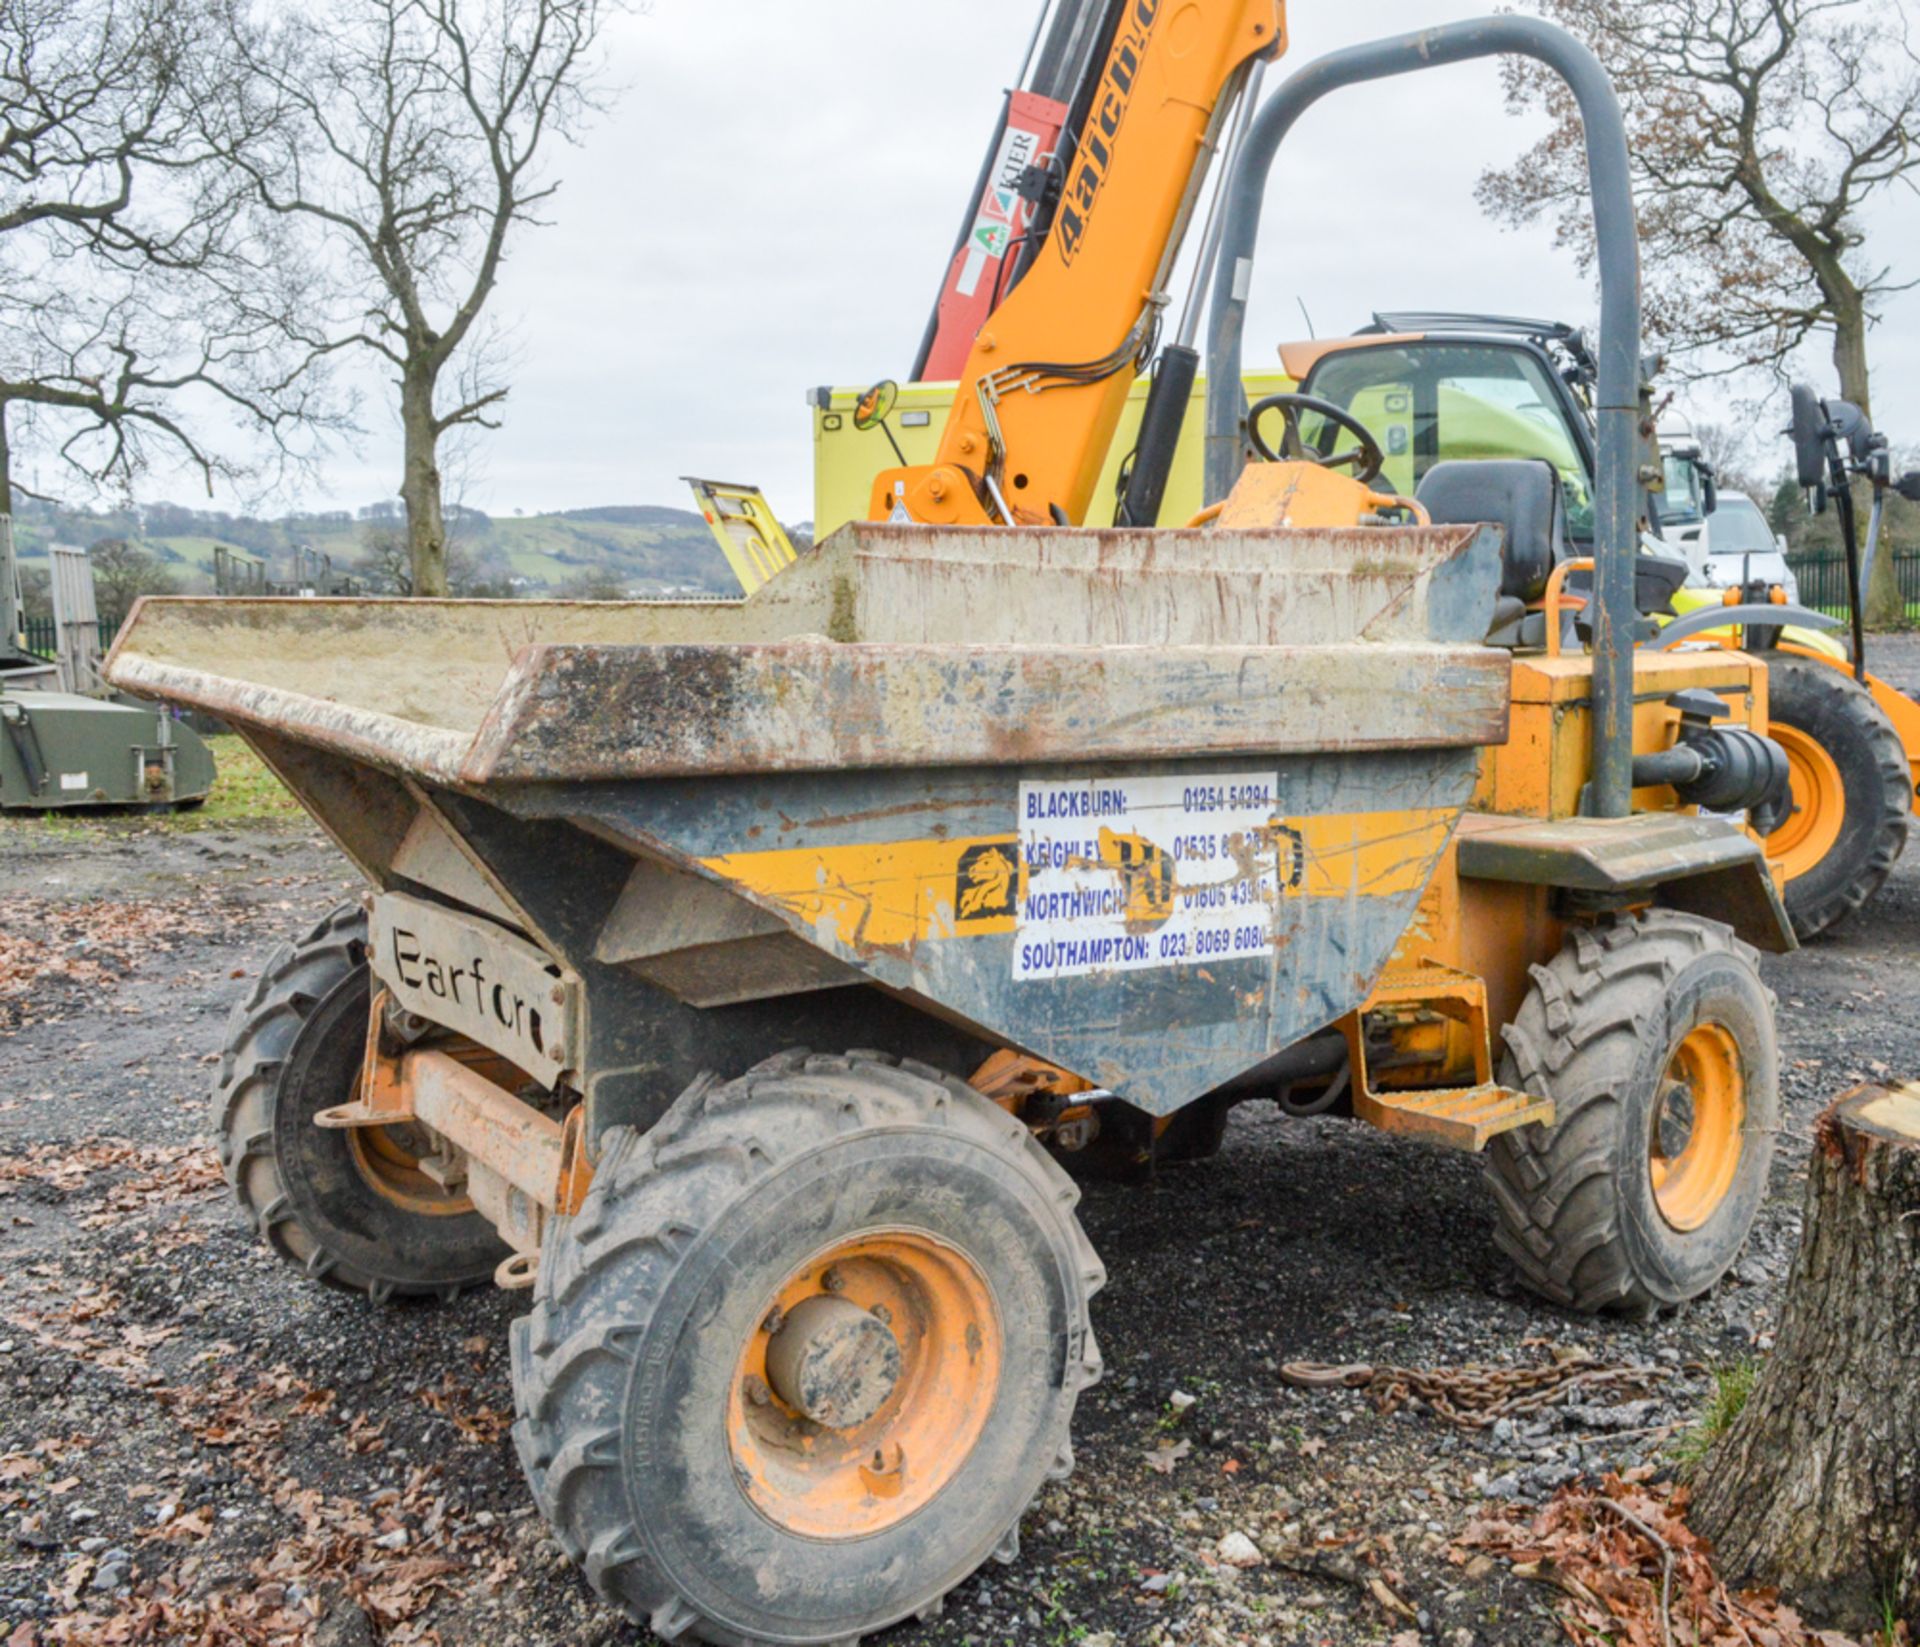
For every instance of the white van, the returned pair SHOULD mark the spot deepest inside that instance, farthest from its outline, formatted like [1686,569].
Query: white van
[1728,544]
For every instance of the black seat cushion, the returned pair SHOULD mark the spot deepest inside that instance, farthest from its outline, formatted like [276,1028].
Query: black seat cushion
[1519,495]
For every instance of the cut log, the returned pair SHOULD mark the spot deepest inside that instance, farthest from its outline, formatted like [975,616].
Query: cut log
[1816,1486]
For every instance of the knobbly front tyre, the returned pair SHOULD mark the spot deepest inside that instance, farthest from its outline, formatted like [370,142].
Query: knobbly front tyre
[807,1352]
[350,1208]
[1655,1039]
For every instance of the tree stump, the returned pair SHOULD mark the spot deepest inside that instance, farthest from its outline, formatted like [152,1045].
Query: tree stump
[1816,1487]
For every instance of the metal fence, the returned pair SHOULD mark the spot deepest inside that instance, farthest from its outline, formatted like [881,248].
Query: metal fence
[43,635]
[1823,581]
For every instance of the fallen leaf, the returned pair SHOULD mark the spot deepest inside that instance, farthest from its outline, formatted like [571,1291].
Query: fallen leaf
[1164,1459]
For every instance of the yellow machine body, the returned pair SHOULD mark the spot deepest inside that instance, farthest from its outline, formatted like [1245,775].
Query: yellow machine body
[749,533]
[846,459]
[1426,1045]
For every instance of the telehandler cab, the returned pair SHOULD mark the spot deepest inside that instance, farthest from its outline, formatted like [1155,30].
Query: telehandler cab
[1083,835]
[1436,389]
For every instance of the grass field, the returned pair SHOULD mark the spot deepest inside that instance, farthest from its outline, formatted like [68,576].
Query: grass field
[670,547]
[244,793]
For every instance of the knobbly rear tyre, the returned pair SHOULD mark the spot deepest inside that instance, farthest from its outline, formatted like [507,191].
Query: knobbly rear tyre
[355,1220]
[1852,791]
[632,1412]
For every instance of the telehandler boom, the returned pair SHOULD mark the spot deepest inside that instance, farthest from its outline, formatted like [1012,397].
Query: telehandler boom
[1048,374]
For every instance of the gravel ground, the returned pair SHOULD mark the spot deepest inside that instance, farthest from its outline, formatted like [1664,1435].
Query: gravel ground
[193,1438]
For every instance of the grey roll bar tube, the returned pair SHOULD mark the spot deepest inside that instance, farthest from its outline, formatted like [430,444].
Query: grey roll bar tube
[1617,503]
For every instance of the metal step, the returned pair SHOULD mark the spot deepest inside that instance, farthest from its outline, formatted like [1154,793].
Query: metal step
[1464,1118]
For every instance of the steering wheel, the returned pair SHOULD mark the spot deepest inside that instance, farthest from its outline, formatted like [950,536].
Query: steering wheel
[1366,460]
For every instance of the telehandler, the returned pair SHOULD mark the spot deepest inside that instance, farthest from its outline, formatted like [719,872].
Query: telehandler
[1074,837]
[1440,388]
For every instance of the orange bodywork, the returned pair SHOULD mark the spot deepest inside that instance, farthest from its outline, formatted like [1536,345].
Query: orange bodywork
[466,1095]
[1494,932]
[1304,494]
[1048,379]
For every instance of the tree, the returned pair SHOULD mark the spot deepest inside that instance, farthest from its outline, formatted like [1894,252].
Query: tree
[598,583]
[1787,512]
[1816,1486]
[387,563]
[1729,449]
[140,304]
[407,135]
[123,572]
[1761,132]
[36,591]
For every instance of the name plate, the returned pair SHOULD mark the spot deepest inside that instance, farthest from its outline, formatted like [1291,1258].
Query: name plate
[477,979]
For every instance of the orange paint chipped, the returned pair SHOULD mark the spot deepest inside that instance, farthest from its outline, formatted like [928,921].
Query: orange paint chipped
[894,894]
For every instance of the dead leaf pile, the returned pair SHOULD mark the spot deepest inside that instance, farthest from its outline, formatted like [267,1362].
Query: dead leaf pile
[466,1412]
[159,1174]
[1633,1573]
[89,946]
[389,1555]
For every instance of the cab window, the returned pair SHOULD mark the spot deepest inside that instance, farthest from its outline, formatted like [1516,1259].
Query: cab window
[1682,504]
[1429,403]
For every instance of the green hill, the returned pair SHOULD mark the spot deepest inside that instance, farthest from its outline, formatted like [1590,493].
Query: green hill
[634,549]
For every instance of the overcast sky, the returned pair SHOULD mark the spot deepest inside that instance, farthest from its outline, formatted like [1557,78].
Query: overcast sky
[770,203]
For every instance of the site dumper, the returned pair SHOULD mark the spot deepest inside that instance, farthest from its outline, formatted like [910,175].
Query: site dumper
[1052,845]
[1084,835]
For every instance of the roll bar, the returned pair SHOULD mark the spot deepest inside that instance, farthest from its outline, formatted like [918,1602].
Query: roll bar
[1617,501]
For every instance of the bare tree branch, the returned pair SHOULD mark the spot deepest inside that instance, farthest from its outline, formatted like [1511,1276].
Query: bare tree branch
[407,137]
[1761,130]
[141,305]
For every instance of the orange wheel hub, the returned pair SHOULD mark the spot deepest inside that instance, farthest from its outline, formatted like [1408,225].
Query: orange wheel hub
[1698,1124]
[865,1386]
[1819,803]
[390,1163]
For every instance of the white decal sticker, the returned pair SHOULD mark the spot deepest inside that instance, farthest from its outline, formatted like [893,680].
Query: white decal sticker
[1002,211]
[74,780]
[1125,874]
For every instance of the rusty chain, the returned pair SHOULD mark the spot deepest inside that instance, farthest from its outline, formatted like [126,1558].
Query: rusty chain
[1474,1397]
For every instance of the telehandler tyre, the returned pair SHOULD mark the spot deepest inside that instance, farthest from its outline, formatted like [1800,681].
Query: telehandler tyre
[807,1352]
[1852,791]
[351,1208]
[1654,1037]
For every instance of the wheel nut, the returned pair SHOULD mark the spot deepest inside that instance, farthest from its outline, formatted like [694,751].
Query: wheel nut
[834,1281]
[776,1319]
[756,1390]
[880,1312]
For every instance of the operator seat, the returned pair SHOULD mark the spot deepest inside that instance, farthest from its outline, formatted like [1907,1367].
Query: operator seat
[1523,497]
